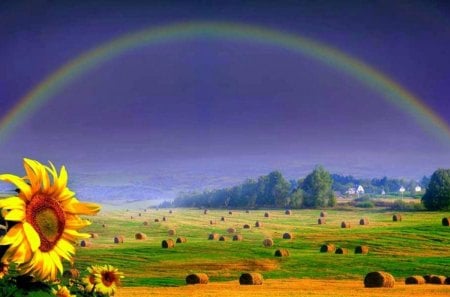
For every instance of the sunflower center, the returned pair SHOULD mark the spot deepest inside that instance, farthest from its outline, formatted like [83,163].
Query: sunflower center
[108,278]
[47,218]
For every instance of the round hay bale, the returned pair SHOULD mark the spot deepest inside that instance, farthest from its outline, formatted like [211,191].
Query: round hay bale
[205,211]
[104,225]
[447,280]
[268,242]
[345,224]
[427,278]
[362,249]
[321,221]
[288,212]
[197,278]
[222,238]
[118,239]
[139,214]
[364,221]
[145,223]
[94,235]
[213,236]
[131,217]
[167,243]
[438,279]
[230,212]
[222,219]
[341,251]
[212,222]
[266,215]
[258,224]
[251,279]
[156,220]
[397,217]
[288,235]
[327,248]
[323,214]
[415,280]
[246,226]
[181,240]
[445,221]
[71,273]
[247,211]
[231,230]
[237,237]
[171,232]
[379,279]
[170,211]
[282,253]
[140,236]
[85,243]
[164,219]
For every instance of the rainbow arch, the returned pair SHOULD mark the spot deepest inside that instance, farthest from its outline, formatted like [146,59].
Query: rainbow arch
[388,88]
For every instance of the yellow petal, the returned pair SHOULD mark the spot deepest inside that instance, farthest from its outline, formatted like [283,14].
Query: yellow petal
[82,208]
[15,215]
[75,234]
[18,182]
[62,181]
[56,260]
[65,249]
[32,236]
[12,203]
[14,235]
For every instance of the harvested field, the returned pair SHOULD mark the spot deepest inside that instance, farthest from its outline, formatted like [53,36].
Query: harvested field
[287,288]
[396,248]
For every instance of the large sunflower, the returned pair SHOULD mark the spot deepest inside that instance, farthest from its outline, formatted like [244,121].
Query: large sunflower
[45,215]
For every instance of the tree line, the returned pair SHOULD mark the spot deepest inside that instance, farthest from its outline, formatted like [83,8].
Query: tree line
[317,189]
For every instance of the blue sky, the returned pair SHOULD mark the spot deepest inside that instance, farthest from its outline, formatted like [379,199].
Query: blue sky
[220,110]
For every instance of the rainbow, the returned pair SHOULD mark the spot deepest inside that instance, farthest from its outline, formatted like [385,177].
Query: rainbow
[381,83]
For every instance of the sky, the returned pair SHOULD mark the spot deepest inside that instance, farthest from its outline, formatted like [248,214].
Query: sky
[203,113]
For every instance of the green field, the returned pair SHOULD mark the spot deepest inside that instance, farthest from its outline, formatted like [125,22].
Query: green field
[419,244]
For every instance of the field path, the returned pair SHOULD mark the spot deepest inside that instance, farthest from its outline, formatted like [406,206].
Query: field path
[290,287]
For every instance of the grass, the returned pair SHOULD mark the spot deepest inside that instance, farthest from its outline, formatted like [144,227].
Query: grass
[418,245]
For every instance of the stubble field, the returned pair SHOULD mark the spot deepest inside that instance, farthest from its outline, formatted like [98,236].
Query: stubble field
[418,245]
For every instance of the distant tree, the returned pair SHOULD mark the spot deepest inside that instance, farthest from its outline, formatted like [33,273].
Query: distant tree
[317,189]
[425,181]
[437,196]
[295,199]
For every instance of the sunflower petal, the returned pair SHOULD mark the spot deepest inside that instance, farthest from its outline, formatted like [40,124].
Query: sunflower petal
[18,182]
[82,208]
[15,215]
[32,236]
[14,235]
[12,203]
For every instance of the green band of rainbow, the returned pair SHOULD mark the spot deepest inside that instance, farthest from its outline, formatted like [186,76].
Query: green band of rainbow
[390,90]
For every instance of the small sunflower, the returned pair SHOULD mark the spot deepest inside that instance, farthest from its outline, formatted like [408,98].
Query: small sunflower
[107,280]
[89,280]
[46,216]
[62,291]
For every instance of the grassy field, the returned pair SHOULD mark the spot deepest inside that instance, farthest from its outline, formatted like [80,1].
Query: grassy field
[419,244]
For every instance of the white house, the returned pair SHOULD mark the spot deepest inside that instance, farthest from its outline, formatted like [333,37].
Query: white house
[418,189]
[402,189]
[360,190]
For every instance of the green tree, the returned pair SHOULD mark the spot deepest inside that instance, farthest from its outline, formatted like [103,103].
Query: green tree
[437,196]
[317,189]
